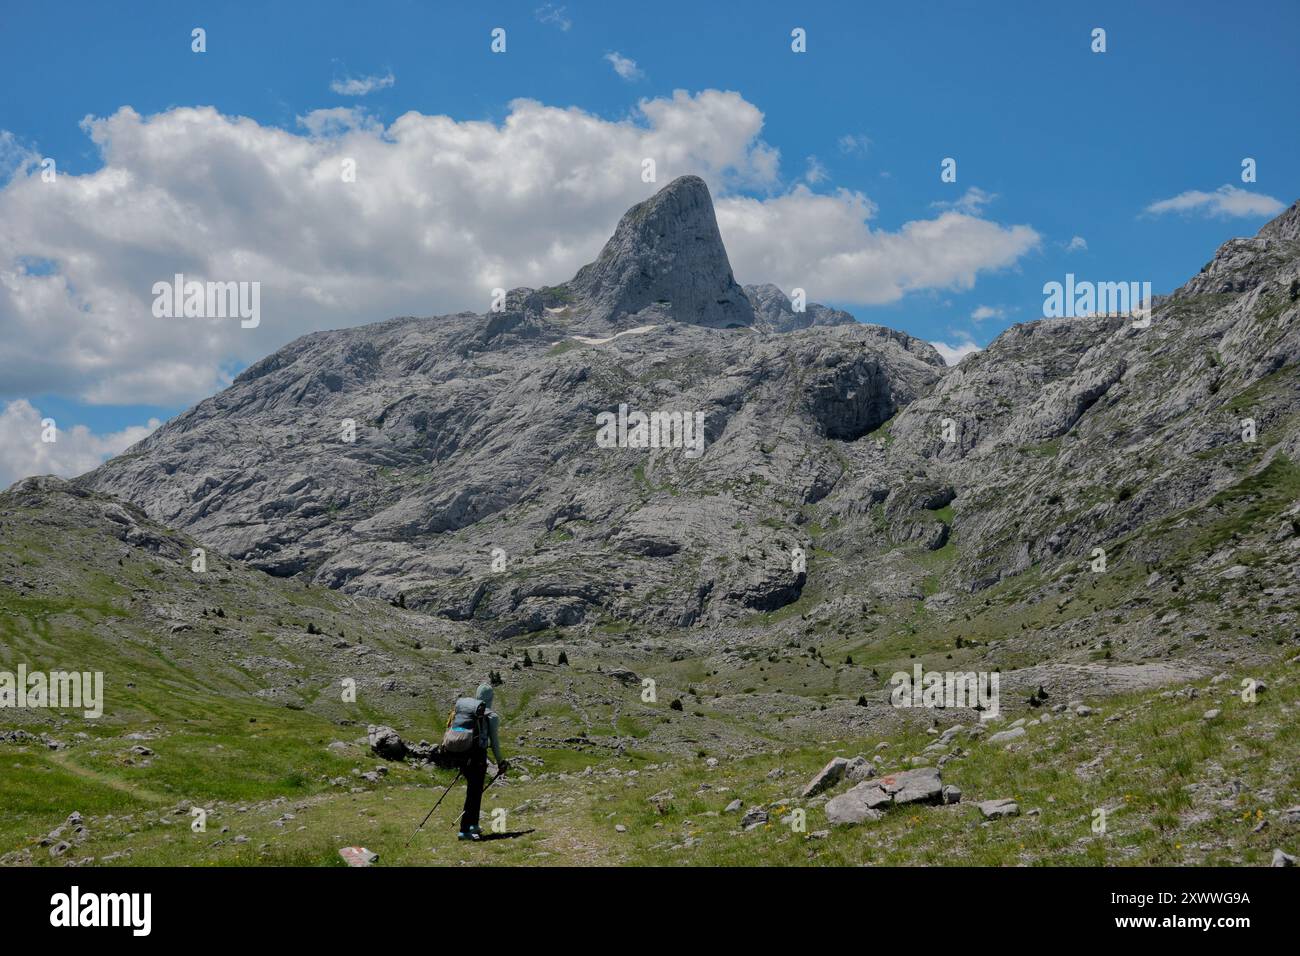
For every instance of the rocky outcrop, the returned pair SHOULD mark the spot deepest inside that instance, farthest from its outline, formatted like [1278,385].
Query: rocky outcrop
[868,799]
[774,312]
[385,742]
[452,464]
[665,261]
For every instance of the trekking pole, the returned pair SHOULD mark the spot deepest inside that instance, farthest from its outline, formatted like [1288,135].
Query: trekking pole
[485,790]
[438,804]
[494,779]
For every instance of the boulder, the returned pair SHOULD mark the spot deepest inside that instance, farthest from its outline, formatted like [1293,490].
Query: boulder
[827,777]
[921,785]
[859,769]
[857,805]
[996,809]
[385,742]
[845,811]
[1006,736]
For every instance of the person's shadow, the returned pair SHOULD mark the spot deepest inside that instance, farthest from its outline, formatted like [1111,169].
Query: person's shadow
[505,836]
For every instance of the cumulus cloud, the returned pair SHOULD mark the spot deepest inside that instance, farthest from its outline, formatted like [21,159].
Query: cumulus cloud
[439,213]
[1077,244]
[815,172]
[1225,202]
[14,156]
[952,354]
[74,450]
[625,66]
[825,244]
[362,85]
[988,312]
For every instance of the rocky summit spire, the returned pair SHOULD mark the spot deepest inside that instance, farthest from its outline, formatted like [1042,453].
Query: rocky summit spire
[666,261]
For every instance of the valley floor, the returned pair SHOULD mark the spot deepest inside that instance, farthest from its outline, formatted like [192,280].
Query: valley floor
[1177,788]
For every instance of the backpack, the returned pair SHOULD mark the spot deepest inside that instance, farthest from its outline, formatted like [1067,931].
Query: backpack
[465,726]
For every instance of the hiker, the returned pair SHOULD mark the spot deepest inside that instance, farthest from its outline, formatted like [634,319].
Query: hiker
[472,727]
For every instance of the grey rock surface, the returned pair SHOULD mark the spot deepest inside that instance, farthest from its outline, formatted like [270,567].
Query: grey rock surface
[1006,736]
[997,809]
[921,785]
[827,777]
[849,808]
[385,742]
[393,460]
[665,259]
[474,490]
[859,769]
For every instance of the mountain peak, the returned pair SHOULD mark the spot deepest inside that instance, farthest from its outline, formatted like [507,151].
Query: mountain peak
[1285,226]
[665,257]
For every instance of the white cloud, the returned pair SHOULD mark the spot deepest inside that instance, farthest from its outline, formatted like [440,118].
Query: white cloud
[854,143]
[952,354]
[362,85]
[1226,201]
[972,201]
[815,171]
[826,245]
[14,155]
[625,66]
[441,212]
[988,312]
[1077,244]
[550,13]
[74,450]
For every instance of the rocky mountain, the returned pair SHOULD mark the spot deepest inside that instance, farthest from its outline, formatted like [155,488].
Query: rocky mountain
[455,464]
[773,311]
[665,261]
[1103,514]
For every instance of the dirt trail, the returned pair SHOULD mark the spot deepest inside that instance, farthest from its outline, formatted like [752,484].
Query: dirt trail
[63,759]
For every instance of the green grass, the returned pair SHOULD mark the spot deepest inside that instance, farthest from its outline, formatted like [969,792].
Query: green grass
[1141,768]
[943,514]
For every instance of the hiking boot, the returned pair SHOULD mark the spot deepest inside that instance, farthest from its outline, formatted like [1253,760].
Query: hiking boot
[468,835]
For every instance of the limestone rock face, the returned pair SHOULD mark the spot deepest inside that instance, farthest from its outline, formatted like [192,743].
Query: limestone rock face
[774,312]
[452,464]
[666,257]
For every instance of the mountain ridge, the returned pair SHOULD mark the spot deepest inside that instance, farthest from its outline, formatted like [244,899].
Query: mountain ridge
[811,419]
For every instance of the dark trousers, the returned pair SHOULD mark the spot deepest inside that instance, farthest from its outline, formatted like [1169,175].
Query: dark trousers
[475,772]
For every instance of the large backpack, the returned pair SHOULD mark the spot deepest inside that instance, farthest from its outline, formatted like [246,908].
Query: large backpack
[465,726]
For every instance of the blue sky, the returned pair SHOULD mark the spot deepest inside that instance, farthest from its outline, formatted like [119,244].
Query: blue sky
[1052,136]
